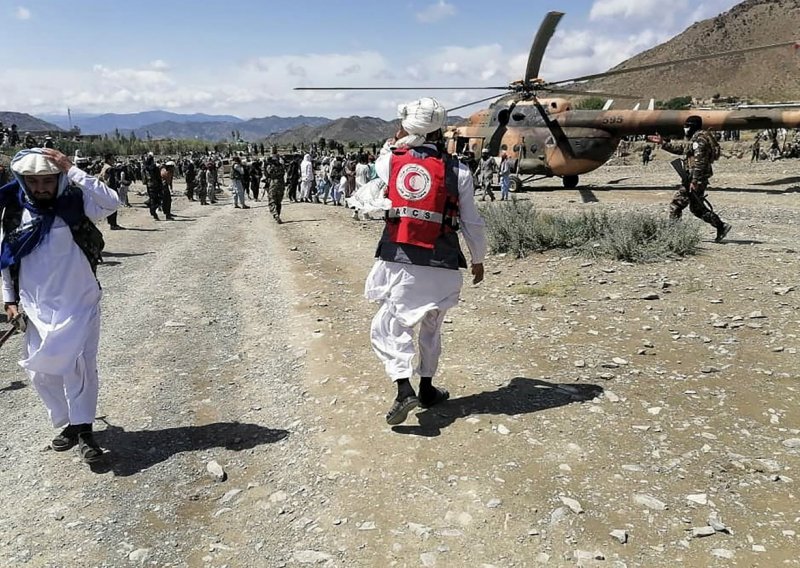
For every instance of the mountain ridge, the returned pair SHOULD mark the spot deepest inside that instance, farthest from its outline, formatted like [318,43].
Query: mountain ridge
[765,76]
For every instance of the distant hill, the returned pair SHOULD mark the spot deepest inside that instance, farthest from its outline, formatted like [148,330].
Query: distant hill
[250,130]
[357,129]
[25,122]
[101,124]
[766,76]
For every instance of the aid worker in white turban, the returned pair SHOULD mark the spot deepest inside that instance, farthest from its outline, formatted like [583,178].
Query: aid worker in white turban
[416,276]
[50,248]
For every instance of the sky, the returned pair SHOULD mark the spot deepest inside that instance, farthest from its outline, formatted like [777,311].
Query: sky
[243,57]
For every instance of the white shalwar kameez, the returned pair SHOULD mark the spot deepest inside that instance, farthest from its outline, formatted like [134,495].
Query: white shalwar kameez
[412,294]
[61,297]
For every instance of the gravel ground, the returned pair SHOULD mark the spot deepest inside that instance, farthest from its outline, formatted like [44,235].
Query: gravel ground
[602,413]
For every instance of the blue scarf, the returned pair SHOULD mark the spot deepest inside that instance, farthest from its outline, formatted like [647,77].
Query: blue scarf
[23,240]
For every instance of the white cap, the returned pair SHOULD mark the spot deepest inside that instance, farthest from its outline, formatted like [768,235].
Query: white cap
[34,164]
[422,116]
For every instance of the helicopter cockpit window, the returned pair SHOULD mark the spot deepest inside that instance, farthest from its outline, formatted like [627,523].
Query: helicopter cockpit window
[534,147]
[518,116]
[504,147]
[517,147]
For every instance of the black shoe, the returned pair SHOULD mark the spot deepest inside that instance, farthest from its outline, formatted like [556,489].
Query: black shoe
[170,217]
[722,232]
[236,207]
[90,450]
[245,207]
[279,220]
[156,217]
[400,408]
[432,397]
[66,439]
[116,228]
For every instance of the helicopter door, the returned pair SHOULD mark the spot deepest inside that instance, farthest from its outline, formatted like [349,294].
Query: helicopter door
[462,144]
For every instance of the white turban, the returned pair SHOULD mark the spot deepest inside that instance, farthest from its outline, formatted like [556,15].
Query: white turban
[33,163]
[422,116]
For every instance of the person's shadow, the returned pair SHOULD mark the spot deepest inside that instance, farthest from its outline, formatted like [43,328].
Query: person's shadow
[133,451]
[520,396]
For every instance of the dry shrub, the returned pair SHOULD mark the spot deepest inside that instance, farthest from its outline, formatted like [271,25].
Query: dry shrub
[516,227]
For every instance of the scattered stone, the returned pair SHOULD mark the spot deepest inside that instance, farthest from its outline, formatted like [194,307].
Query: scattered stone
[611,396]
[620,534]
[428,559]
[709,369]
[620,361]
[650,296]
[649,501]
[229,495]
[758,314]
[717,525]
[367,526]
[792,443]
[580,363]
[782,291]
[503,430]
[723,553]
[139,555]
[699,532]
[216,471]
[311,556]
[537,307]
[278,497]
[698,498]
[574,505]
[419,530]
[170,323]
[654,410]
[759,548]
[494,503]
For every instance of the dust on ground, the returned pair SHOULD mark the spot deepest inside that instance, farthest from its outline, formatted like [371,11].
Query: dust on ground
[656,402]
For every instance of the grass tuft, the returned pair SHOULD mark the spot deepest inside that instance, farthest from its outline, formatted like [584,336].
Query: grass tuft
[518,228]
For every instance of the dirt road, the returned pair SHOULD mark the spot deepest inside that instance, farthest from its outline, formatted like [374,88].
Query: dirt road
[578,406]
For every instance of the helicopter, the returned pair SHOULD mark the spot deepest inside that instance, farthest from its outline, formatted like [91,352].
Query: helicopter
[547,137]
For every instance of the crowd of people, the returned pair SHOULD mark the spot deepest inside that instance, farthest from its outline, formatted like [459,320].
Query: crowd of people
[424,195]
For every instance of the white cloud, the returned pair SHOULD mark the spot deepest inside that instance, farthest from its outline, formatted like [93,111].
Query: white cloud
[435,12]
[580,52]
[638,9]
[22,13]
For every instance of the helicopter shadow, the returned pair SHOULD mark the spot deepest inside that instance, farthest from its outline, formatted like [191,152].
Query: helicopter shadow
[520,396]
[782,181]
[133,451]
[676,187]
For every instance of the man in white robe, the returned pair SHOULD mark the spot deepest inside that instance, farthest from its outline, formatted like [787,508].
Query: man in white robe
[414,284]
[56,288]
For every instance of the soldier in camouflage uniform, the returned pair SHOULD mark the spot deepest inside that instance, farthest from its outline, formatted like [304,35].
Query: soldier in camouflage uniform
[274,184]
[700,151]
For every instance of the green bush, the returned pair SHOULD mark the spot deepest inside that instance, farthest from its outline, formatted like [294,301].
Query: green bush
[516,227]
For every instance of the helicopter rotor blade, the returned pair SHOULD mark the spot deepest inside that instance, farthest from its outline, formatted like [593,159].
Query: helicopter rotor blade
[591,94]
[562,141]
[475,102]
[543,35]
[673,62]
[401,88]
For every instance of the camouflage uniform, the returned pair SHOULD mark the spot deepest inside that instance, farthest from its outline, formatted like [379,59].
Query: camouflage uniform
[274,176]
[699,153]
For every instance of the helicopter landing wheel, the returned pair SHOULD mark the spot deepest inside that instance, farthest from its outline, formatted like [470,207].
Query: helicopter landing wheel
[515,185]
[570,182]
